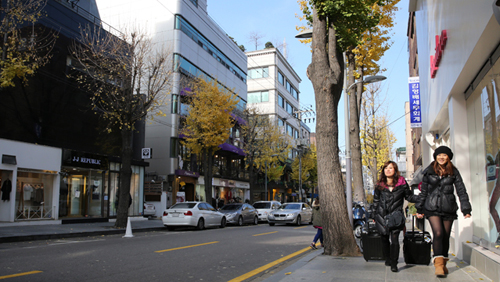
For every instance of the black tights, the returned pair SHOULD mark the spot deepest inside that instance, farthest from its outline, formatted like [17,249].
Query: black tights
[441,230]
[391,250]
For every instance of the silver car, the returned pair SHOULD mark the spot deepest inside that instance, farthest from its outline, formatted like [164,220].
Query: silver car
[296,213]
[265,207]
[240,214]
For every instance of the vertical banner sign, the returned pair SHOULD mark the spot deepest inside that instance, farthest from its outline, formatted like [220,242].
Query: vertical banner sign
[415,113]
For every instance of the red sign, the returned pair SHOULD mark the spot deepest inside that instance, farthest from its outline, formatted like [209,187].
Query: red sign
[436,59]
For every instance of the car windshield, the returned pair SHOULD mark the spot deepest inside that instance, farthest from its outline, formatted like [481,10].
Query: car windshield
[230,207]
[262,205]
[290,207]
[183,206]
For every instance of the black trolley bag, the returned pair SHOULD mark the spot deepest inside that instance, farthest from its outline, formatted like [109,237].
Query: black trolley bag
[371,243]
[417,246]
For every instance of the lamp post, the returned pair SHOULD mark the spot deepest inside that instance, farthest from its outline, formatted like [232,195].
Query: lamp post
[307,33]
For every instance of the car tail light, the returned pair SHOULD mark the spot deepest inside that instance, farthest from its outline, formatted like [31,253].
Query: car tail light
[188,213]
[165,213]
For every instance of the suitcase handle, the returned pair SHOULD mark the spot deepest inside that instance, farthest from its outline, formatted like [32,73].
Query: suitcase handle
[413,226]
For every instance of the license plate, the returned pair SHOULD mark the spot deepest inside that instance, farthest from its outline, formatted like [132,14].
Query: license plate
[175,215]
[280,218]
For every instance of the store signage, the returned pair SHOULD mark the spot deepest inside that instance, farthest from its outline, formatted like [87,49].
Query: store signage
[415,112]
[186,173]
[85,160]
[147,153]
[436,59]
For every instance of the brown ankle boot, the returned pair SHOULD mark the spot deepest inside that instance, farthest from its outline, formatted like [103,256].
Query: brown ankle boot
[445,260]
[439,265]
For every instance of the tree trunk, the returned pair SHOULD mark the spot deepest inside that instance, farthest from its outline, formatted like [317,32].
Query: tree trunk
[251,179]
[326,75]
[125,176]
[207,175]
[356,163]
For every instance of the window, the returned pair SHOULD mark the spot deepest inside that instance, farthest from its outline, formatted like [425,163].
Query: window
[175,104]
[289,130]
[281,101]
[289,108]
[195,2]
[258,73]
[295,134]
[288,86]
[281,122]
[294,93]
[174,147]
[281,78]
[258,97]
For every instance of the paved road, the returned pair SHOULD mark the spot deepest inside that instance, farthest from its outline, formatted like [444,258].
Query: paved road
[181,255]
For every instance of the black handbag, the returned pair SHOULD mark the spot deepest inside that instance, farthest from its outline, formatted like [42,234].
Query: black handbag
[395,220]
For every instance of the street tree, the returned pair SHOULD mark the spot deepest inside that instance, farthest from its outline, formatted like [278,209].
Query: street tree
[337,25]
[208,122]
[308,170]
[264,144]
[26,47]
[377,138]
[363,60]
[128,78]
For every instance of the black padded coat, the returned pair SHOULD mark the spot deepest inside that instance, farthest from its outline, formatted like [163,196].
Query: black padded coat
[437,196]
[386,202]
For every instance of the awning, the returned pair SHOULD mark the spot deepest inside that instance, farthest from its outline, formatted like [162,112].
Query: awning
[231,148]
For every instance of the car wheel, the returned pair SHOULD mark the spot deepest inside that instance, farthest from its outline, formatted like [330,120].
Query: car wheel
[170,228]
[223,222]
[240,221]
[201,224]
[271,224]
[255,221]
[299,221]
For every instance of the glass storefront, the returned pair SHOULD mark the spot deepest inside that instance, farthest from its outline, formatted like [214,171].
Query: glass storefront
[483,108]
[34,192]
[81,192]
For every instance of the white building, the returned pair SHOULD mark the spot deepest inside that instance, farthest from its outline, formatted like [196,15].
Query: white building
[273,89]
[459,70]
[200,48]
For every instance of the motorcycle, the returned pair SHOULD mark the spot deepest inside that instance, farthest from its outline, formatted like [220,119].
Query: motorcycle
[359,218]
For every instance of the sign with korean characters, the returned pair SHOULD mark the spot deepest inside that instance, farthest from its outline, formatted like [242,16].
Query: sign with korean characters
[415,113]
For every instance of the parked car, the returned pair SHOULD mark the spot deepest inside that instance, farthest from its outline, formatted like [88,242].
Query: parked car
[149,209]
[265,207]
[196,214]
[295,213]
[240,213]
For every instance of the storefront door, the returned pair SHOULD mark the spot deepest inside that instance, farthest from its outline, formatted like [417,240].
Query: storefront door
[85,190]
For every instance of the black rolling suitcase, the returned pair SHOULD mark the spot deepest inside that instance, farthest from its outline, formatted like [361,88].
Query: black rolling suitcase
[371,242]
[417,246]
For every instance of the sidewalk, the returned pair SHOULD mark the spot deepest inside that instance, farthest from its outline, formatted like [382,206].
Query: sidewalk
[55,230]
[316,267]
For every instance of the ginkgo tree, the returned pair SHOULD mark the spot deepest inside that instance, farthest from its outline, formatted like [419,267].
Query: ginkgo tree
[128,78]
[377,138]
[338,26]
[25,47]
[208,122]
[264,145]
[363,60]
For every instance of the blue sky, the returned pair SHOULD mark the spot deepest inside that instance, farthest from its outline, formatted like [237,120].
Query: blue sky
[276,20]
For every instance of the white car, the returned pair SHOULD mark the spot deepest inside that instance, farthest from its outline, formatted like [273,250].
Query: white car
[295,213]
[195,214]
[149,209]
[265,207]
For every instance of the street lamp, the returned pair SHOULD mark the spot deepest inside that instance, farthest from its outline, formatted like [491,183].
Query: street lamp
[265,180]
[307,33]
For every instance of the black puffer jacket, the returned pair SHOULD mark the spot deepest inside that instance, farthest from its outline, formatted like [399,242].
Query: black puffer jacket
[437,196]
[386,202]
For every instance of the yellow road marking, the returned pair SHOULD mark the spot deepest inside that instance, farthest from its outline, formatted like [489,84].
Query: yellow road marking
[20,274]
[179,248]
[300,227]
[267,266]
[265,233]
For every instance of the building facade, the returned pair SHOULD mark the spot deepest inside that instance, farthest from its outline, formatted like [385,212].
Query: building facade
[57,164]
[273,89]
[200,49]
[459,71]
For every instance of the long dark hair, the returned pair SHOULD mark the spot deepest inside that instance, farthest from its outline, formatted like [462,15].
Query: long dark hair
[383,178]
[448,168]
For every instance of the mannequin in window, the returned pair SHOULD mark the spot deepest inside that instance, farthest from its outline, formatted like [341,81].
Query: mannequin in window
[6,189]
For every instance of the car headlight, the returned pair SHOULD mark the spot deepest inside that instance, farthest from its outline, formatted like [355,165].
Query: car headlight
[230,215]
[270,215]
[290,214]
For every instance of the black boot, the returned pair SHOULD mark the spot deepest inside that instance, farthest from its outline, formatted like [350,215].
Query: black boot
[386,252]
[394,257]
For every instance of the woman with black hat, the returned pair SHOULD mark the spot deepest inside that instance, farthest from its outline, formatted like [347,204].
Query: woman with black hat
[437,202]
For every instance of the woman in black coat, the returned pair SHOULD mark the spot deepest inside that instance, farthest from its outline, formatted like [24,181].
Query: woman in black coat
[438,203]
[390,193]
